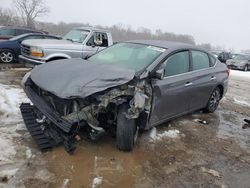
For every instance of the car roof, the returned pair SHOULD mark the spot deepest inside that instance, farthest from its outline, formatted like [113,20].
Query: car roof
[163,44]
[23,28]
[91,29]
[27,34]
[17,27]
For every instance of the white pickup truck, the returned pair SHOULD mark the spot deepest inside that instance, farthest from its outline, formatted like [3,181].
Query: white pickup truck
[78,43]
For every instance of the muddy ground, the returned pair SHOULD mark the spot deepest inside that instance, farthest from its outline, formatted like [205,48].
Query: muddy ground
[214,154]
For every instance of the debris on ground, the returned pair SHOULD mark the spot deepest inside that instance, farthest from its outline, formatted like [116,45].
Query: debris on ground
[210,171]
[97,181]
[247,124]
[204,122]
[65,183]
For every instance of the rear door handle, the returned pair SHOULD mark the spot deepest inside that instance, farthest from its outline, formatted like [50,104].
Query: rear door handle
[188,84]
[212,78]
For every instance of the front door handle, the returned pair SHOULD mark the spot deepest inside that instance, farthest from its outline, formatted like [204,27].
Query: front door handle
[188,84]
[212,78]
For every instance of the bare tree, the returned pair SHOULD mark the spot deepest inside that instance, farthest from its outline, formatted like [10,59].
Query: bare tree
[29,10]
[8,17]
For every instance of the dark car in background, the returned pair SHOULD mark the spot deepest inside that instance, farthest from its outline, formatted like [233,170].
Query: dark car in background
[7,32]
[124,88]
[224,56]
[11,49]
[240,61]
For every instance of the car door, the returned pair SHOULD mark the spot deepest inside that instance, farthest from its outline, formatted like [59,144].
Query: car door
[170,97]
[203,80]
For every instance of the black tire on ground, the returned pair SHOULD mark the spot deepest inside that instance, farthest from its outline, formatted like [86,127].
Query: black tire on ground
[214,101]
[7,56]
[126,131]
[245,68]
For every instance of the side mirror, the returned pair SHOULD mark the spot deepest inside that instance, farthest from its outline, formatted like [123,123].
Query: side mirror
[159,74]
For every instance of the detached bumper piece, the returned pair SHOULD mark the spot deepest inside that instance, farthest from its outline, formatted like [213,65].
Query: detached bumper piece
[43,141]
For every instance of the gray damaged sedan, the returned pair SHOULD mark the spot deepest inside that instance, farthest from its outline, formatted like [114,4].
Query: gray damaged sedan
[240,61]
[121,90]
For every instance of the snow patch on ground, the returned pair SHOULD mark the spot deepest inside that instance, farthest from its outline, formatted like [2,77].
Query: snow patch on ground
[97,181]
[10,121]
[7,150]
[237,73]
[166,134]
[241,102]
[10,99]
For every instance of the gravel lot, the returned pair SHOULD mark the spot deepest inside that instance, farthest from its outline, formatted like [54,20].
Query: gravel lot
[180,153]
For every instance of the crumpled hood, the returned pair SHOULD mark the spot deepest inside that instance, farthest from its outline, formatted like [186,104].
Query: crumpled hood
[53,44]
[70,78]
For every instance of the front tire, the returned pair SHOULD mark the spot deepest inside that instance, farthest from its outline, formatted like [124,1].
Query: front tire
[214,101]
[7,56]
[126,131]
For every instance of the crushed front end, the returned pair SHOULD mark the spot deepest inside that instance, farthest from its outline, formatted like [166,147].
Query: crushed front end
[52,120]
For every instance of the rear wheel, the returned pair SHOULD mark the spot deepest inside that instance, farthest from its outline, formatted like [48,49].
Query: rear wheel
[214,101]
[6,56]
[127,131]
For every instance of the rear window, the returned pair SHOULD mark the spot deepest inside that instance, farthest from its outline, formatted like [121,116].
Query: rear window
[200,60]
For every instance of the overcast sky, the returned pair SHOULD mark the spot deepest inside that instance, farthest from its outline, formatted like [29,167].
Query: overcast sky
[219,22]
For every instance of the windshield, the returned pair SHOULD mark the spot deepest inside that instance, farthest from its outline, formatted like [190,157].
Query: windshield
[128,55]
[76,35]
[241,57]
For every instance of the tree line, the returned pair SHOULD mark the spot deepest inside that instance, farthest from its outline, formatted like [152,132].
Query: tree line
[26,12]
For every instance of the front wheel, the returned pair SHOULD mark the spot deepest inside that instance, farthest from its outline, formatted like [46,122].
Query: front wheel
[6,56]
[214,101]
[126,131]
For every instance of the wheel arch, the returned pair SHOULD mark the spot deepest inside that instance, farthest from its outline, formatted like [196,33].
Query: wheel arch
[13,51]
[221,88]
[56,58]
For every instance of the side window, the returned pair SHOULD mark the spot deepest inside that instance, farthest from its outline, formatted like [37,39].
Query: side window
[200,60]
[7,32]
[20,31]
[212,60]
[98,38]
[177,64]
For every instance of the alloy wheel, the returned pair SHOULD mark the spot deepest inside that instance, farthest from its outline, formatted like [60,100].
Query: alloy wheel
[6,57]
[215,99]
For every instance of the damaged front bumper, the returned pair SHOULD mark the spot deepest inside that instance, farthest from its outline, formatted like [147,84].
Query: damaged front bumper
[36,116]
[47,111]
